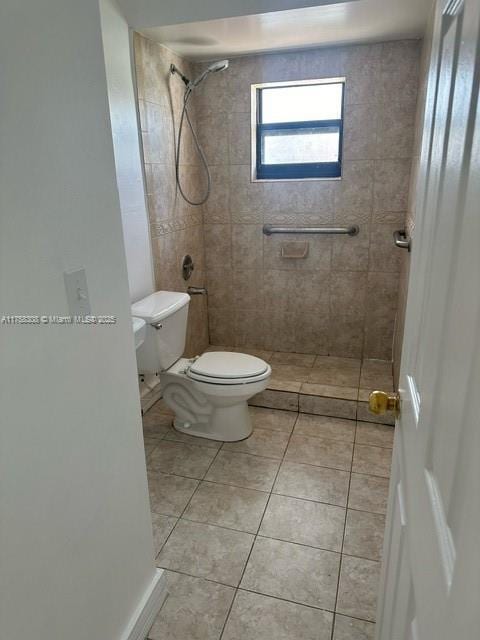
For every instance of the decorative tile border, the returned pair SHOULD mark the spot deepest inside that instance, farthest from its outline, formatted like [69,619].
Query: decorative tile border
[161,228]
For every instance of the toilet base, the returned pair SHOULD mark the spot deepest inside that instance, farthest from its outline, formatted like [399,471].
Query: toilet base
[225,424]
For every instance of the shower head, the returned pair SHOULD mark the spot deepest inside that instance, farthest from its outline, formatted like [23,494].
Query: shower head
[191,84]
[221,65]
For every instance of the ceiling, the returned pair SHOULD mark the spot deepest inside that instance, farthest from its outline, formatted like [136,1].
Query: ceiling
[338,23]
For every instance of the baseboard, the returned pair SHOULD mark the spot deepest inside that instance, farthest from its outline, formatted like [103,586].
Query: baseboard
[148,608]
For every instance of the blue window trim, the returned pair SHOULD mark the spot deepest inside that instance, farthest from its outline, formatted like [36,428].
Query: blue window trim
[296,171]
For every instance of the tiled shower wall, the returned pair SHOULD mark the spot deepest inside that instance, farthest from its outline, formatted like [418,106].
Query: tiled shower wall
[412,204]
[342,299]
[176,228]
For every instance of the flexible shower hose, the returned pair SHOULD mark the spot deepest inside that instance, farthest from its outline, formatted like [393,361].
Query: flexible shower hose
[185,116]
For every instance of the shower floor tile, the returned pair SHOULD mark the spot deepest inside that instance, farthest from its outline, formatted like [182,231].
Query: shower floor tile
[282,531]
[322,385]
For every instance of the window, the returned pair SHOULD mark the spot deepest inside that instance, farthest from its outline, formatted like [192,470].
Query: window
[298,129]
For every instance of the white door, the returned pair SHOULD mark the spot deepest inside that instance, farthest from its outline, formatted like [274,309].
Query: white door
[430,588]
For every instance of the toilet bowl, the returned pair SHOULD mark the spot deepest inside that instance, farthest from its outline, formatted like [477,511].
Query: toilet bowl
[209,393]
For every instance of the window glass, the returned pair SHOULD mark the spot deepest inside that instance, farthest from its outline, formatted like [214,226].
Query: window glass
[301,145]
[303,102]
[299,130]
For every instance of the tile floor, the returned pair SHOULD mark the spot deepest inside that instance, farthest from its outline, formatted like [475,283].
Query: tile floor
[273,538]
[322,385]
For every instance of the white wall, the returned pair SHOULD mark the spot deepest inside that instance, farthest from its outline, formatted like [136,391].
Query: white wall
[76,552]
[116,42]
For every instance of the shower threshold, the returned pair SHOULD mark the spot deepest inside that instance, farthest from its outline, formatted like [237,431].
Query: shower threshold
[322,385]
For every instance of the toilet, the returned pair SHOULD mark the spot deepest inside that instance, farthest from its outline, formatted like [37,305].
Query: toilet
[208,393]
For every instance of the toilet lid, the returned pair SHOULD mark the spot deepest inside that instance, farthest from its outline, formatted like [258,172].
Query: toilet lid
[228,365]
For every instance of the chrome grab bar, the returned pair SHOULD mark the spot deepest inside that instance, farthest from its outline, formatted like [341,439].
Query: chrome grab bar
[402,240]
[353,230]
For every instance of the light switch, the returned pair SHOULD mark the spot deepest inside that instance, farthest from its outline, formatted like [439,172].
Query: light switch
[77,292]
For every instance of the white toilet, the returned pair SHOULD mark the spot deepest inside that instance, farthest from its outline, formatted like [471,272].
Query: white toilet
[209,393]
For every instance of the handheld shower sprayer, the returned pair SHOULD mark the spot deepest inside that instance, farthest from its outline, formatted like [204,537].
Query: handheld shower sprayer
[221,65]
[190,85]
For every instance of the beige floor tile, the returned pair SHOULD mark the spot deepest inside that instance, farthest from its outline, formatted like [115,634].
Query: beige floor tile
[368,493]
[277,399]
[379,435]
[273,419]
[326,406]
[162,526]
[169,495]
[329,391]
[162,407]
[258,617]
[281,384]
[343,372]
[291,372]
[375,461]
[320,452]
[262,442]
[313,483]
[293,572]
[364,394]
[243,470]
[195,609]
[376,374]
[351,629]
[304,522]
[364,413]
[181,459]
[358,588]
[156,425]
[295,359]
[173,435]
[325,427]
[149,446]
[227,506]
[206,551]
[158,414]
[364,534]
[333,377]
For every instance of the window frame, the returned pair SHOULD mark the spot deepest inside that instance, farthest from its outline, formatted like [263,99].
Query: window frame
[293,171]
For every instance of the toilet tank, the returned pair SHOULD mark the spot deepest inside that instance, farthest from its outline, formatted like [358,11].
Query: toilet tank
[166,314]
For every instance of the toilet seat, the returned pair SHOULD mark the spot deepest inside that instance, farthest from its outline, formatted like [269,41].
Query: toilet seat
[228,368]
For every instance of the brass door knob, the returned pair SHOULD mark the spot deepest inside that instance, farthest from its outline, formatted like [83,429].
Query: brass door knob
[380,402]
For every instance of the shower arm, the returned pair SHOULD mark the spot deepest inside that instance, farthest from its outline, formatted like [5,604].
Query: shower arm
[175,70]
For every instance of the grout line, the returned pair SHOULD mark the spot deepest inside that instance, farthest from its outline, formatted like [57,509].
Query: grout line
[344,531]
[328,504]
[191,575]
[258,529]
[301,604]
[257,534]
[282,495]
[215,524]
[290,461]
[188,503]
[308,464]
[301,544]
